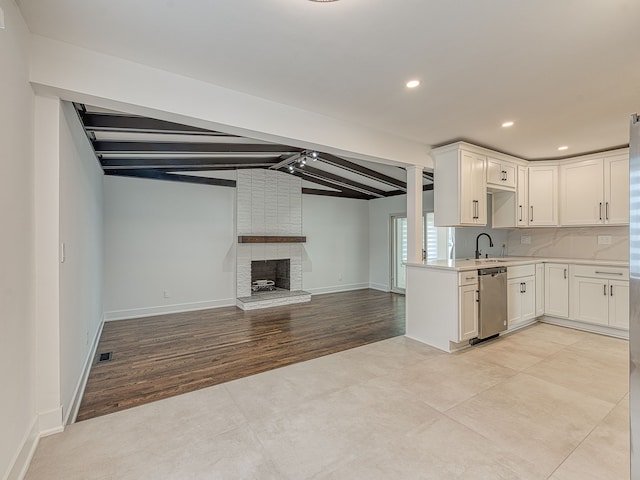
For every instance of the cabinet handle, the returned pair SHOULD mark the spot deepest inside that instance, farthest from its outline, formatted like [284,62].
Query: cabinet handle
[524,288]
[608,273]
[504,175]
[606,211]
[520,213]
[531,217]
[605,290]
[469,278]
[565,273]
[600,210]
[611,290]
[478,296]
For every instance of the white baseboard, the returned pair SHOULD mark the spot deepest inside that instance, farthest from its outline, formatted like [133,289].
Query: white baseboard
[601,329]
[50,422]
[337,288]
[164,309]
[72,413]
[380,286]
[20,463]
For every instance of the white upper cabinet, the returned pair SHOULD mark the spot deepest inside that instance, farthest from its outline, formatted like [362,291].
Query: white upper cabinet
[616,190]
[595,191]
[501,174]
[460,193]
[522,210]
[543,196]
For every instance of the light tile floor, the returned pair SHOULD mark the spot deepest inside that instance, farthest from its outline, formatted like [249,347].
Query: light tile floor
[544,403]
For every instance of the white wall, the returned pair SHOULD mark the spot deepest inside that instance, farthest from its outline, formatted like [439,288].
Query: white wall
[167,236]
[17,368]
[81,273]
[336,255]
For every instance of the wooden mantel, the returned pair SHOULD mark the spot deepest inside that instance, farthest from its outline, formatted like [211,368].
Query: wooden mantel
[270,239]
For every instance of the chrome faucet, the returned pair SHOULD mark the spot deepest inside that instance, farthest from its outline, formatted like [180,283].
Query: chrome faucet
[478,238]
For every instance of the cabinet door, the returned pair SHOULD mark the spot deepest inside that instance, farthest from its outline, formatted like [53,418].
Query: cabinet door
[468,316]
[514,301]
[543,196]
[556,289]
[616,190]
[582,193]
[528,298]
[539,289]
[495,173]
[473,189]
[619,304]
[590,300]
[522,210]
[501,173]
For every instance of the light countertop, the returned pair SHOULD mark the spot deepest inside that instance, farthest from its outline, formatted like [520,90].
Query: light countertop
[462,264]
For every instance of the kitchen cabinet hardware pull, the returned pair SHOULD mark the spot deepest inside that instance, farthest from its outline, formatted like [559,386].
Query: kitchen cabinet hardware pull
[605,289]
[524,288]
[565,273]
[520,213]
[600,210]
[531,217]
[478,296]
[611,290]
[608,273]
[606,211]
[469,278]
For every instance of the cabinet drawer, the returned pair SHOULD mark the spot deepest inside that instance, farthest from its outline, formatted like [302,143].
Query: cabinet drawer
[469,277]
[595,271]
[521,271]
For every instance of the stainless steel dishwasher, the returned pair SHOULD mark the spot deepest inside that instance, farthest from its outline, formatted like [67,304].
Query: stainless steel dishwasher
[492,298]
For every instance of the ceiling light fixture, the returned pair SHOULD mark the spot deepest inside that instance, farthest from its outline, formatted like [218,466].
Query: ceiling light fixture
[564,147]
[507,124]
[413,83]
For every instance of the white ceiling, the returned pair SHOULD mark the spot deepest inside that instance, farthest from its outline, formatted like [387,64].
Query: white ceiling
[566,71]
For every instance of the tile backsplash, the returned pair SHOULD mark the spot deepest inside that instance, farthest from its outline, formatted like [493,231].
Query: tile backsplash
[571,242]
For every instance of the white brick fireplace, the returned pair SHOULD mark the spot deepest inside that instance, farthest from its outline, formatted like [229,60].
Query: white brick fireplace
[269,203]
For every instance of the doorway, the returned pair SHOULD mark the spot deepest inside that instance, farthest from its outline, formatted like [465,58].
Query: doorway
[437,243]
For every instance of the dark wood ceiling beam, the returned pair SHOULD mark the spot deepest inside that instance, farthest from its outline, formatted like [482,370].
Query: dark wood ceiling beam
[184,162]
[367,172]
[111,146]
[345,190]
[158,175]
[104,122]
[341,181]
[395,193]
[331,193]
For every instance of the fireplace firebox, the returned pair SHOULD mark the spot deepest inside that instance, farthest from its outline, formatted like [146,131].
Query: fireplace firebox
[270,275]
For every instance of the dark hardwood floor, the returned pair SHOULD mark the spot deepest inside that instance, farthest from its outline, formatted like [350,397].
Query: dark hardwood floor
[158,357]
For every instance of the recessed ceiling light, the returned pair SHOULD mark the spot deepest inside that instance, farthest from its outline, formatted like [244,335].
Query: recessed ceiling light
[413,83]
[564,147]
[507,124]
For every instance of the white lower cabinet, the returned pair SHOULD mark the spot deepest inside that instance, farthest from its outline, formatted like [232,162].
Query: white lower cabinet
[521,294]
[468,312]
[539,289]
[556,289]
[599,299]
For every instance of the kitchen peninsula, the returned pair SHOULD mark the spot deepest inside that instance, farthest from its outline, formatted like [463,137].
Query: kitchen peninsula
[591,295]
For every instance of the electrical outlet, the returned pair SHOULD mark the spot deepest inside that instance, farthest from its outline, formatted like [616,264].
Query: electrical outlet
[525,240]
[604,239]
[165,294]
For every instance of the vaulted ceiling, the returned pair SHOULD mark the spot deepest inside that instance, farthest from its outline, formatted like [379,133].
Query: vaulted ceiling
[135,146]
[566,72]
